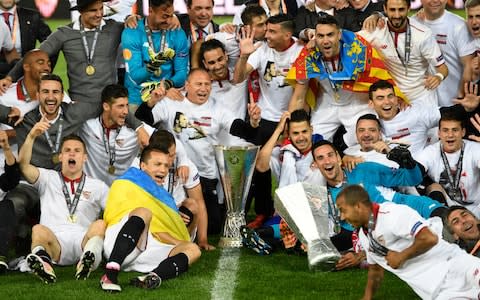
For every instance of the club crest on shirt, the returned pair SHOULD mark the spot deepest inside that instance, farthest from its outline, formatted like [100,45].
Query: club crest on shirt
[86,195]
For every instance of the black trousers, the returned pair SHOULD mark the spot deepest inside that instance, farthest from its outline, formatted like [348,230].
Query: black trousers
[215,211]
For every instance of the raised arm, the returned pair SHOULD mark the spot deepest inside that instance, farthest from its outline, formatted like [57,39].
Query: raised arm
[247,47]
[29,171]
[263,159]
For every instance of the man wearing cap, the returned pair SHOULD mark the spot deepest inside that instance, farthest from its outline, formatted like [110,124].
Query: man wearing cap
[90,48]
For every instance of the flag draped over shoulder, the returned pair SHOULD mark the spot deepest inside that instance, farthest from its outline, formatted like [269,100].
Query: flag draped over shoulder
[136,189]
[361,66]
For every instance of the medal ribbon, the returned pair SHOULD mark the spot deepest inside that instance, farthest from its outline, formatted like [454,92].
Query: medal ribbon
[333,213]
[72,204]
[172,177]
[89,54]
[106,143]
[25,92]
[454,182]
[55,149]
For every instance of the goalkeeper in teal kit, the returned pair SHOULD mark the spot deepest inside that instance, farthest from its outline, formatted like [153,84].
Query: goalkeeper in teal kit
[154,54]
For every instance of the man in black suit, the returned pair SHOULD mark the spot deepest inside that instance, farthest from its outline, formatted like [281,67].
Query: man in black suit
[352,17]
[197,22]
[26,27]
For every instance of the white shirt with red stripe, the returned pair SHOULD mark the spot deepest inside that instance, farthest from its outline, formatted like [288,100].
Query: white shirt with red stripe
[395,228]
[452,36]
[424,53]
[53,206]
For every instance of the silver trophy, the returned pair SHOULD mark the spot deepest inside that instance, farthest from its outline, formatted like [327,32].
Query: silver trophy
[235,166]
[305,209]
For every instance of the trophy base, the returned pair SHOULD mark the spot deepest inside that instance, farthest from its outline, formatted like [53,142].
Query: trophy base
[230,243]
[231,237]
[322,255]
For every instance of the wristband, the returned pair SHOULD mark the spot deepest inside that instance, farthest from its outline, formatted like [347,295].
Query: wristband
[440,75]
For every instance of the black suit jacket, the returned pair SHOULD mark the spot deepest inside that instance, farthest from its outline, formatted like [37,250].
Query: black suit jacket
[351,19]
[185,23]
[32,28]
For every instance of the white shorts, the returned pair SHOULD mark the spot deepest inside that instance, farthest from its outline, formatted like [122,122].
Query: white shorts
[327,118]
[145,259]
[70,245]
[462,280]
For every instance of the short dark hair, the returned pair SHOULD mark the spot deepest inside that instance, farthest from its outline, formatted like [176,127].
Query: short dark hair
[297,116]
[162,139]
[353,194]
[157,3]
[52,77]
[326,19]
[112,92]
[369,117]
[146,153]
[252,11]
[189,3]
[322,143]
[379,85]
[72,137]
[285,22]
[448,114]
[208,46]
[406,1]
[449,211]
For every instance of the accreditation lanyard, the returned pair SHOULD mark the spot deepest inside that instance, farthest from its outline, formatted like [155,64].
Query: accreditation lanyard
[72,204]
[454,192]
[110,150]
[148,31]
[89,52]
[407,49]
[55,148]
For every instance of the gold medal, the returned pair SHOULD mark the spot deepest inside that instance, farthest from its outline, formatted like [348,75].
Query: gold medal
[337,97]
[90,70]
[157,72]
[55,158]
[72,218]
[111,169]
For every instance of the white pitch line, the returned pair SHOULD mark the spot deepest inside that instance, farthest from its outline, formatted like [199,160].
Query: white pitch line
[226,275]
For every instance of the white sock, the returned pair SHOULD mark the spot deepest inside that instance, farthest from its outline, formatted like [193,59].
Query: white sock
[95,245]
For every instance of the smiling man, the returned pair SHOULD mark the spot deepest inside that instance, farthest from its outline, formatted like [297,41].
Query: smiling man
[454,163]
[90,65]
[70,204]
[112,145]
[207,119]
[464,227]
[152,52]
[145,231]
[398,240]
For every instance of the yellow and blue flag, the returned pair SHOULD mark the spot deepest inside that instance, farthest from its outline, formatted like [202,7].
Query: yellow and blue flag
[135,189]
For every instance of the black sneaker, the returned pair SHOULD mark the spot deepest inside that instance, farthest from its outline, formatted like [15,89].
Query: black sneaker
[251,240]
